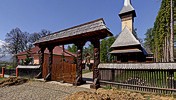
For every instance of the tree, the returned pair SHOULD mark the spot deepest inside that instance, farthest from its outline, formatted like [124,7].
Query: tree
[88,50]
[28,59]
[3,49]
[2,53]
[148,39]
[17,41]
[72,48]
[36,36]
[105,48]
[103,51]
[160,36]
[172,34]
[110,41]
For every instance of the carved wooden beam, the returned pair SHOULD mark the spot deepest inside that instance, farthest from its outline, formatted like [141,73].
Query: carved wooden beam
[41,52]
[48,77]
[79,80]
[96,76]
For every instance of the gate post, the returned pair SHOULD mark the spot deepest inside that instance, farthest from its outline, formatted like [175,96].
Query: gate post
[79,79]
[17,72]
[96,76]
[48,77]
[42,49]
[3,71]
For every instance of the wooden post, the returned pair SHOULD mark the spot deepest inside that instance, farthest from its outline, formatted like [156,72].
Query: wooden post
[42,49]
[79,79]
[96,77]
[3,71]
[62,67]
[48,77]
[113,74]
[170,79]
[16,72]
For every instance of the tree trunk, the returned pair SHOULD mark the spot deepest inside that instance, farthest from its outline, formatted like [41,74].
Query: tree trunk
[156,54]
[168,48]
[165,48]
[172,36]
[164,54]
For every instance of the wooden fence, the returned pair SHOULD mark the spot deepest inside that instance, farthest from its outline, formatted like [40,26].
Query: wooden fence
[150,77]
[28,72]
[11,72]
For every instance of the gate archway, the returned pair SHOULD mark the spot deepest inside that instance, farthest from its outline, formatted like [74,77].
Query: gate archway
[92,31]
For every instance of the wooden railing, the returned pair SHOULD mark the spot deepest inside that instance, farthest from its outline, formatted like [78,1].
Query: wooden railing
[151,77]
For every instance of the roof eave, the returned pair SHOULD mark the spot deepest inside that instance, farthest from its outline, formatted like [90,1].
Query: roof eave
[124,46]
[125,13]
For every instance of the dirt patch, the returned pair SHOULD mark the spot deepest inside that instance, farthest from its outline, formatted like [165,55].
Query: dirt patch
[12,81]
[114,94]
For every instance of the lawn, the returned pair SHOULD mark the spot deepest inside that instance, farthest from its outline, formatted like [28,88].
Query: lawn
[86,71]
[1,79]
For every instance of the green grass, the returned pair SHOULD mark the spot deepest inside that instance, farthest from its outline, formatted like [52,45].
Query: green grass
[1,79]
[108,87]
[86,71]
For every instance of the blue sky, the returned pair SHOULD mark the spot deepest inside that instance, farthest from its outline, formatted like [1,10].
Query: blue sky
[54,15]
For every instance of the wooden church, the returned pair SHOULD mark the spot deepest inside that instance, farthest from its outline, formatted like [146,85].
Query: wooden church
[127,47]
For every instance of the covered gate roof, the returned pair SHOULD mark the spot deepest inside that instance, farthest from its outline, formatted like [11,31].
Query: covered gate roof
[87,31]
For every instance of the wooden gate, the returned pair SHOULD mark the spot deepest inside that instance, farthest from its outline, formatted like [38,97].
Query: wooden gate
[45,66]
[69,72]
[61,71]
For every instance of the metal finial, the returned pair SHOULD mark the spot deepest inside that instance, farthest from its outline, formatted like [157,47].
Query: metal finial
[127,2]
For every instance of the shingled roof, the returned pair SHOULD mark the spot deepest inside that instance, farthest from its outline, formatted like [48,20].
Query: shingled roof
[92,26]
[127,8]
[125,38]
[125,51]
[56,51]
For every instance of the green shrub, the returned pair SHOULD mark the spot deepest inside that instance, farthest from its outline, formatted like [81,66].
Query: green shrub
[9,67]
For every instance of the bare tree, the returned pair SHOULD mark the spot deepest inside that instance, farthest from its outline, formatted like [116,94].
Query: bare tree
[36,36]
[17,41]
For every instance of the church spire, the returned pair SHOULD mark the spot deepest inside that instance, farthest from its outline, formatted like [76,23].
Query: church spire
[127,8]
[127,15]
[127,2]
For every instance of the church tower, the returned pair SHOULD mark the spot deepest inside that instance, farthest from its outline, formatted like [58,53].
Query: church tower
[126,47]
[127,15]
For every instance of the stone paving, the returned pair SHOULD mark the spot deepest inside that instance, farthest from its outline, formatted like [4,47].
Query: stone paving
[35,90]
[38,90]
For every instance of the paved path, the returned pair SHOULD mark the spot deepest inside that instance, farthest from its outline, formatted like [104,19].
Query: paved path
[88,77]
[35,90]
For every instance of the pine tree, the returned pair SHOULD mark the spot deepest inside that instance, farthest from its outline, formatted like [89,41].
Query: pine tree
[159,40]
[103,51]
[72,48]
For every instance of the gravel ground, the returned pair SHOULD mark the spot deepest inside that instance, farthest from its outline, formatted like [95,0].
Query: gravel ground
[34,90]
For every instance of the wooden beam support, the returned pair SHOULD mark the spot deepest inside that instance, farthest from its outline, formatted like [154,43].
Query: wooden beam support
[41,52]
[79,80]
[48,77]
[96,76]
